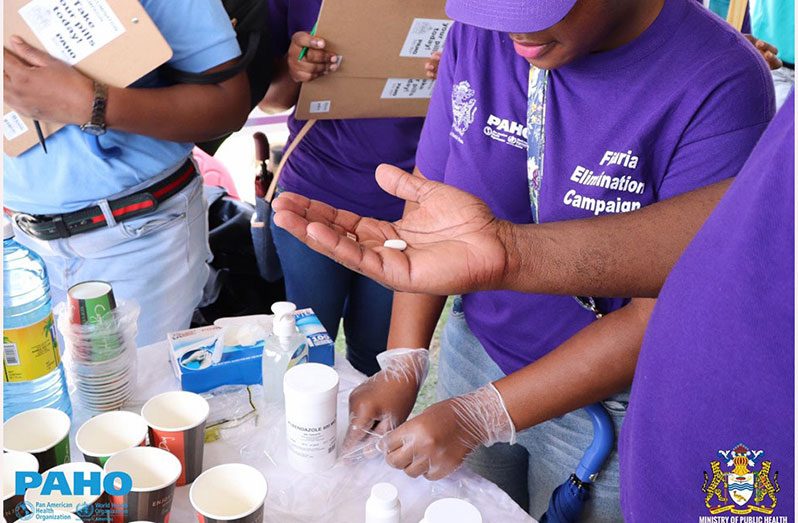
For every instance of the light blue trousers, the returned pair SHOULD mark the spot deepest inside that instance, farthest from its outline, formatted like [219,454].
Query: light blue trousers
[159,260]
[545,455]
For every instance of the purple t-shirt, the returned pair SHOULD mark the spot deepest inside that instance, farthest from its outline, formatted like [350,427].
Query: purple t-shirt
[716,367]
[676,109]
[335,162]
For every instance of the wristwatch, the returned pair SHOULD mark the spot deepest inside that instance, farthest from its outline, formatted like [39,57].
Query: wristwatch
[96,126]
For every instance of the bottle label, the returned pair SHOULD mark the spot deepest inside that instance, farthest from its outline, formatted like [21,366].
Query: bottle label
[311,441]
[30,352]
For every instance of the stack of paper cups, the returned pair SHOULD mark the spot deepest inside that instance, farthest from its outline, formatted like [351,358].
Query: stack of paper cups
[100,339]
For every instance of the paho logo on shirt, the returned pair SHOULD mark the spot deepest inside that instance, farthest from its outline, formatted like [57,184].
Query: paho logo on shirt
[464,106]
[740,490]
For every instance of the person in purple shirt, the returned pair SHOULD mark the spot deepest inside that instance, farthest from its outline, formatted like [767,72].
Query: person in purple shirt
[334,163]
[713,392]
[630,102]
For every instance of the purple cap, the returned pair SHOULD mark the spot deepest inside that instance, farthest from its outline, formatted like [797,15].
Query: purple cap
[509,16]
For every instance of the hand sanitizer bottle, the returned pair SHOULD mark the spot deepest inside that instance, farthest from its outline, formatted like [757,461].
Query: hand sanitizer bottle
[283,345]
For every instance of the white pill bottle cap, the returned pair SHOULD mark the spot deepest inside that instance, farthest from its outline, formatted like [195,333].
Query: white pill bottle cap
[447,510]
[383,505]
[284,323]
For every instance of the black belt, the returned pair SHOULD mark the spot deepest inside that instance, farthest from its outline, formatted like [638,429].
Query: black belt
[788,65]
[57,226]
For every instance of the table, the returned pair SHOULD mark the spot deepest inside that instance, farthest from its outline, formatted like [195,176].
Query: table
[337,495]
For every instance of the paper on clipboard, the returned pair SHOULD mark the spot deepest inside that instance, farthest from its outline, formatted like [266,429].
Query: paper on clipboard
[111,41]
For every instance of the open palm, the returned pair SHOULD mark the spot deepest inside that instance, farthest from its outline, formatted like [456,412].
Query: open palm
[455,243]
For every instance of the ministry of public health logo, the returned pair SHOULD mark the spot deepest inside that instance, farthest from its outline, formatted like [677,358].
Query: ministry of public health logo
[742,488]
[463,107]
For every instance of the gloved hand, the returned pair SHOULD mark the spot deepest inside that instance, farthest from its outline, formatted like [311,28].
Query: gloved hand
[384,400]
[435,443]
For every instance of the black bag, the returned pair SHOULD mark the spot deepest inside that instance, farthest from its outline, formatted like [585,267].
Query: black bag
[250,18]
[235,287]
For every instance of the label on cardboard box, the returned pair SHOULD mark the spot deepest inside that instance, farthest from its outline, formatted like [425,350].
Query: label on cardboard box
[320,106]
[407,88]
[426,36]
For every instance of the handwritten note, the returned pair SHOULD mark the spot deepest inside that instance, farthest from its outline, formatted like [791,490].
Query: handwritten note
[71,30]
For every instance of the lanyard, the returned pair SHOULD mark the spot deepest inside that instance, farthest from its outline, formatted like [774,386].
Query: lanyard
[536,125]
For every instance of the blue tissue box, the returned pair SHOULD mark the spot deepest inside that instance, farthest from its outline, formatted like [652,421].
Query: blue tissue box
[192,355]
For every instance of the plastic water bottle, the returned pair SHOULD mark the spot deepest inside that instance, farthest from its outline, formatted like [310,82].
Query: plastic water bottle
[33,375]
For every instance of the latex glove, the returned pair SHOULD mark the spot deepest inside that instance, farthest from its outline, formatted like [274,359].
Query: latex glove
[455,243]
[435,443]
[316,61]
[384,400]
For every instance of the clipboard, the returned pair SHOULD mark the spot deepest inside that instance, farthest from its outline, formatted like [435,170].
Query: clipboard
[383,38]
[384,45]
[123,45]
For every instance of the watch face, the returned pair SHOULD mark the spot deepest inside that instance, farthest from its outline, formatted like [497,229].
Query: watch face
[93,129]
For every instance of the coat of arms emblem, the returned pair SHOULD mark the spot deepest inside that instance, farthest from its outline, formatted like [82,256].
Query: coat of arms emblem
[463,107]
[740,490]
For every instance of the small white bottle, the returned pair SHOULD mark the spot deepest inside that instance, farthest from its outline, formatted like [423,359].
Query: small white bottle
[311,401]
[383,504]
[283,344]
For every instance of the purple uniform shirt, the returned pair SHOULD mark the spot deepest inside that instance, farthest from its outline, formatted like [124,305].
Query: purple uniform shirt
[335,162]
[676,109]
[716,367]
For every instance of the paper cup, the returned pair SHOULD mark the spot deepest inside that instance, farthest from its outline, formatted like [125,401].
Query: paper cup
[41,432]
[451,509]
[177,424]
[90,301]
[83,505]
[106,434]
[14,462]
[231,493]
[154,473]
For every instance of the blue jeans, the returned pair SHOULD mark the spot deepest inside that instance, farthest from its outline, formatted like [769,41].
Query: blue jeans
[159,260]
[546,454]
[334,292]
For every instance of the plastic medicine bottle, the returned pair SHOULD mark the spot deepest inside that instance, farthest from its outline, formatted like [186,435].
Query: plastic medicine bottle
[311,399]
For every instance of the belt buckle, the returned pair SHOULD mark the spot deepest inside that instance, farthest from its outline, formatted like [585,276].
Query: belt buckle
[25,220]
[49,229]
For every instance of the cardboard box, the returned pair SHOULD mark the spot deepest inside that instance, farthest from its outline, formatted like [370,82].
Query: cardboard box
[321,348]
[384,45]
[201,361]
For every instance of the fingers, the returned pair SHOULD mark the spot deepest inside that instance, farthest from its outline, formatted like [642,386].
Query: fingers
[401,184]
[28,53]
[305,39]
[432,65]
[315,61]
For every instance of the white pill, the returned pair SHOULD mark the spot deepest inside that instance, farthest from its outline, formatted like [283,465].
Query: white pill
[399,245]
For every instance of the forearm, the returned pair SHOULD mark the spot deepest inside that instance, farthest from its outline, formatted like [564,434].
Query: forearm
[620,255]
[596,363]
[413,319]
[283,92]
[180,113]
